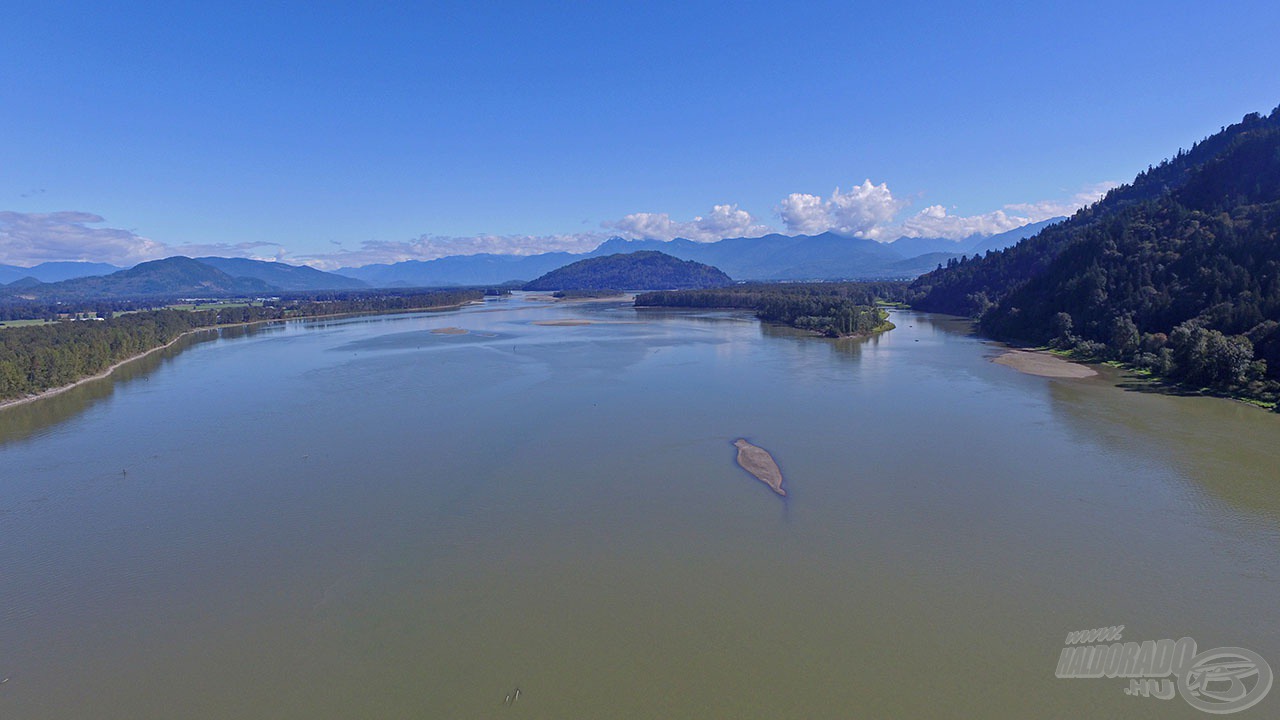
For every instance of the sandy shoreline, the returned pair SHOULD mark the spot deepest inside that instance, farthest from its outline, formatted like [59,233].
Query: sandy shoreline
[1043,364]
[107,372]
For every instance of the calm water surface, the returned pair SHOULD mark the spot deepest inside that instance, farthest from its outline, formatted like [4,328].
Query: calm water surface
[360,518]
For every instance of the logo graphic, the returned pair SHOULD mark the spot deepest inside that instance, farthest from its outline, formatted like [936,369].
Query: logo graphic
[1219,681]
[1215,682]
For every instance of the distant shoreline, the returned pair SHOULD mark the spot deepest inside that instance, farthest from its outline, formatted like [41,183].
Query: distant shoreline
[5,404]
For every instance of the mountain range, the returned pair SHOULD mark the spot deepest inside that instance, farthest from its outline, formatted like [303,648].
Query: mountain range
[826,256]
[180,276]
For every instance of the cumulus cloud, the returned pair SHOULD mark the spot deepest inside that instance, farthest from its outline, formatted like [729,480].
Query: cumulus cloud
[934,221]
[28,239]
[32,238]
[863,211]
[724,221]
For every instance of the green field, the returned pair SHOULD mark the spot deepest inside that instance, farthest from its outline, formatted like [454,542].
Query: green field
[21,323]
[212,305]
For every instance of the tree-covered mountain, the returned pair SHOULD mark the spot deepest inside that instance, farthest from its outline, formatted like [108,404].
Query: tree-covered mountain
[169,277]
[283,276]
[644,270]
[178,276]
[1177,272]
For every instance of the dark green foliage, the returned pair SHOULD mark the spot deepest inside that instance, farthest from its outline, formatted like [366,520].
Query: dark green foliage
[647,269]
[1177,273]
[832,309]
[39,357]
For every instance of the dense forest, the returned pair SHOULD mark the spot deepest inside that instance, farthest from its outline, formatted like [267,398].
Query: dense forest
[831,309]
[36,358]
[647,269]
[1177,273]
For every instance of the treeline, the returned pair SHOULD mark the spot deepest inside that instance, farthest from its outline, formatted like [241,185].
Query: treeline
[831,309]
[36,358]
[367,299]
[1177,274]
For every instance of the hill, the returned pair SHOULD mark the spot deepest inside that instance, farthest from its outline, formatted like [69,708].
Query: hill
[647,270]
[169,277]
[1177,272]
[283,276]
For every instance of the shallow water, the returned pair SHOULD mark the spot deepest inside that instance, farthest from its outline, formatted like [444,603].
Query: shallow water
[362,518]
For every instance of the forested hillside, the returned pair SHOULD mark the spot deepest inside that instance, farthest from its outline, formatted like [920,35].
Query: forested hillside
[1177,272]
[646,269]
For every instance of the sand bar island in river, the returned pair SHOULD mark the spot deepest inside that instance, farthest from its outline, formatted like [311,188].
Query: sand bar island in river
[757,461]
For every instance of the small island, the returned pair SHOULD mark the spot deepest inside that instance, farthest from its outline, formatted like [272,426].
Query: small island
[834,310]
[757,461]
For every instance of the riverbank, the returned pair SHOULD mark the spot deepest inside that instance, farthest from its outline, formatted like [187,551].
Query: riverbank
[102,375]
[105,373]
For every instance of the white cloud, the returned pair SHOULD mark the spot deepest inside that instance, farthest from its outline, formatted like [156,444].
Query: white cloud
[724,221]
[865,210]
[860,212]
[1046,209]
[28,239]
[32,238]
[934,221]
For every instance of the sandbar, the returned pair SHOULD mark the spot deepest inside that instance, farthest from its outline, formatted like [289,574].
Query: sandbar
[757,461]
[449,331]
[562,323]
[1043,364]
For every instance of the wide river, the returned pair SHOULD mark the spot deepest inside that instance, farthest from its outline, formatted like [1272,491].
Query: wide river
[361,518]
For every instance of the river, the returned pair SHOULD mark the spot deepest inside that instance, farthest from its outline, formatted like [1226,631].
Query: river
[363,518]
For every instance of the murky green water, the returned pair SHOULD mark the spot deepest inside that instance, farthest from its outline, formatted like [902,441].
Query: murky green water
[362,519]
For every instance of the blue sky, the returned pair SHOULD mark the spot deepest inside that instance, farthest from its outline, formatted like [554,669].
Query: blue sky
[343,133]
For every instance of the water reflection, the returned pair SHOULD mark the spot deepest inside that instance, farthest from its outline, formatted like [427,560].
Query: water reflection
[19,422]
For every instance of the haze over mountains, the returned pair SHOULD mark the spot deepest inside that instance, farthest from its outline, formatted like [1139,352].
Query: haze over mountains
[827,256]
[772,257]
